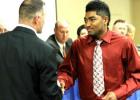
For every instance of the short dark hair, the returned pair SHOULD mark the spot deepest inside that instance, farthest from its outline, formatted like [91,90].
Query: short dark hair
[119,21]
[100,7]
[29,8]
[79,29]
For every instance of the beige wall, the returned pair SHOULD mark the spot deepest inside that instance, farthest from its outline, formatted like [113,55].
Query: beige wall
[120,9]
[136,19]
[74,10]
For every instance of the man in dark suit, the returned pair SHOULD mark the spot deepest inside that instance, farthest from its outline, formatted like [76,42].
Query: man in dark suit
[60,41]
[27,67]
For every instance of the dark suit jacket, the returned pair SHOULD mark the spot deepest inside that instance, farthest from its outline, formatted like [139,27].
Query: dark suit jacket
[27,67]
[52,42]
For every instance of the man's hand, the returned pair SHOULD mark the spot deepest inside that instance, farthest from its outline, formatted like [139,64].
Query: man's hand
[61,84]
[110,96]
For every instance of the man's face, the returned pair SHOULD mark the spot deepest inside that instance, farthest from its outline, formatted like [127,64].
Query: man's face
[94,23]
[83,32]
[120,28]
[62,33]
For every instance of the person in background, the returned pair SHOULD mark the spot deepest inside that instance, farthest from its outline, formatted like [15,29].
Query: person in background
[61,43]
[120,26]
[27,70]
[2,29]
[60,40]
[82,31]
[131,31]
[106,63]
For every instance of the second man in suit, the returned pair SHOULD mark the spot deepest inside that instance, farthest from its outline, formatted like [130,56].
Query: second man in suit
[60,40]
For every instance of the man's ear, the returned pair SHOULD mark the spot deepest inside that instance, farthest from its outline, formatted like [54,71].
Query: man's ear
[105,18]
[36,19]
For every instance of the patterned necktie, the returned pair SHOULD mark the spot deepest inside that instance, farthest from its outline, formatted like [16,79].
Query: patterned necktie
[64,52]
[98,76]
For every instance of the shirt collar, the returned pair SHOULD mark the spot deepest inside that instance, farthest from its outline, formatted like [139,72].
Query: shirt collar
[60,44]
[23,25]
[106,37]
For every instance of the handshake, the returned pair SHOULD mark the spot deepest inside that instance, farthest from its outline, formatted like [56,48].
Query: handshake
[61,84]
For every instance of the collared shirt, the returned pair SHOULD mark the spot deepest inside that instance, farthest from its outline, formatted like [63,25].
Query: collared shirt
[121,64]
[23,25]
[60,45]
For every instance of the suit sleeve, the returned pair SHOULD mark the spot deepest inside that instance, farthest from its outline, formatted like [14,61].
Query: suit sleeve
[48,77]
[132,66]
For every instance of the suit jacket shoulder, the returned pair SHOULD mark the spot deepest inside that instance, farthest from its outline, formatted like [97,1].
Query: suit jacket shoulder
[51,40]
[28,61]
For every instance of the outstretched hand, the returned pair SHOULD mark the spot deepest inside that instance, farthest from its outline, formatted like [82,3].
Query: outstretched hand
[61,84]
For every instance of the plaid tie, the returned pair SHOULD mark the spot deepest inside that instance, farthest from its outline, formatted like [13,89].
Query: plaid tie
[98,77]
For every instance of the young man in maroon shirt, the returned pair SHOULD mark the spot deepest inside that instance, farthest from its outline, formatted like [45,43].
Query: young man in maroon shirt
[121,62]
